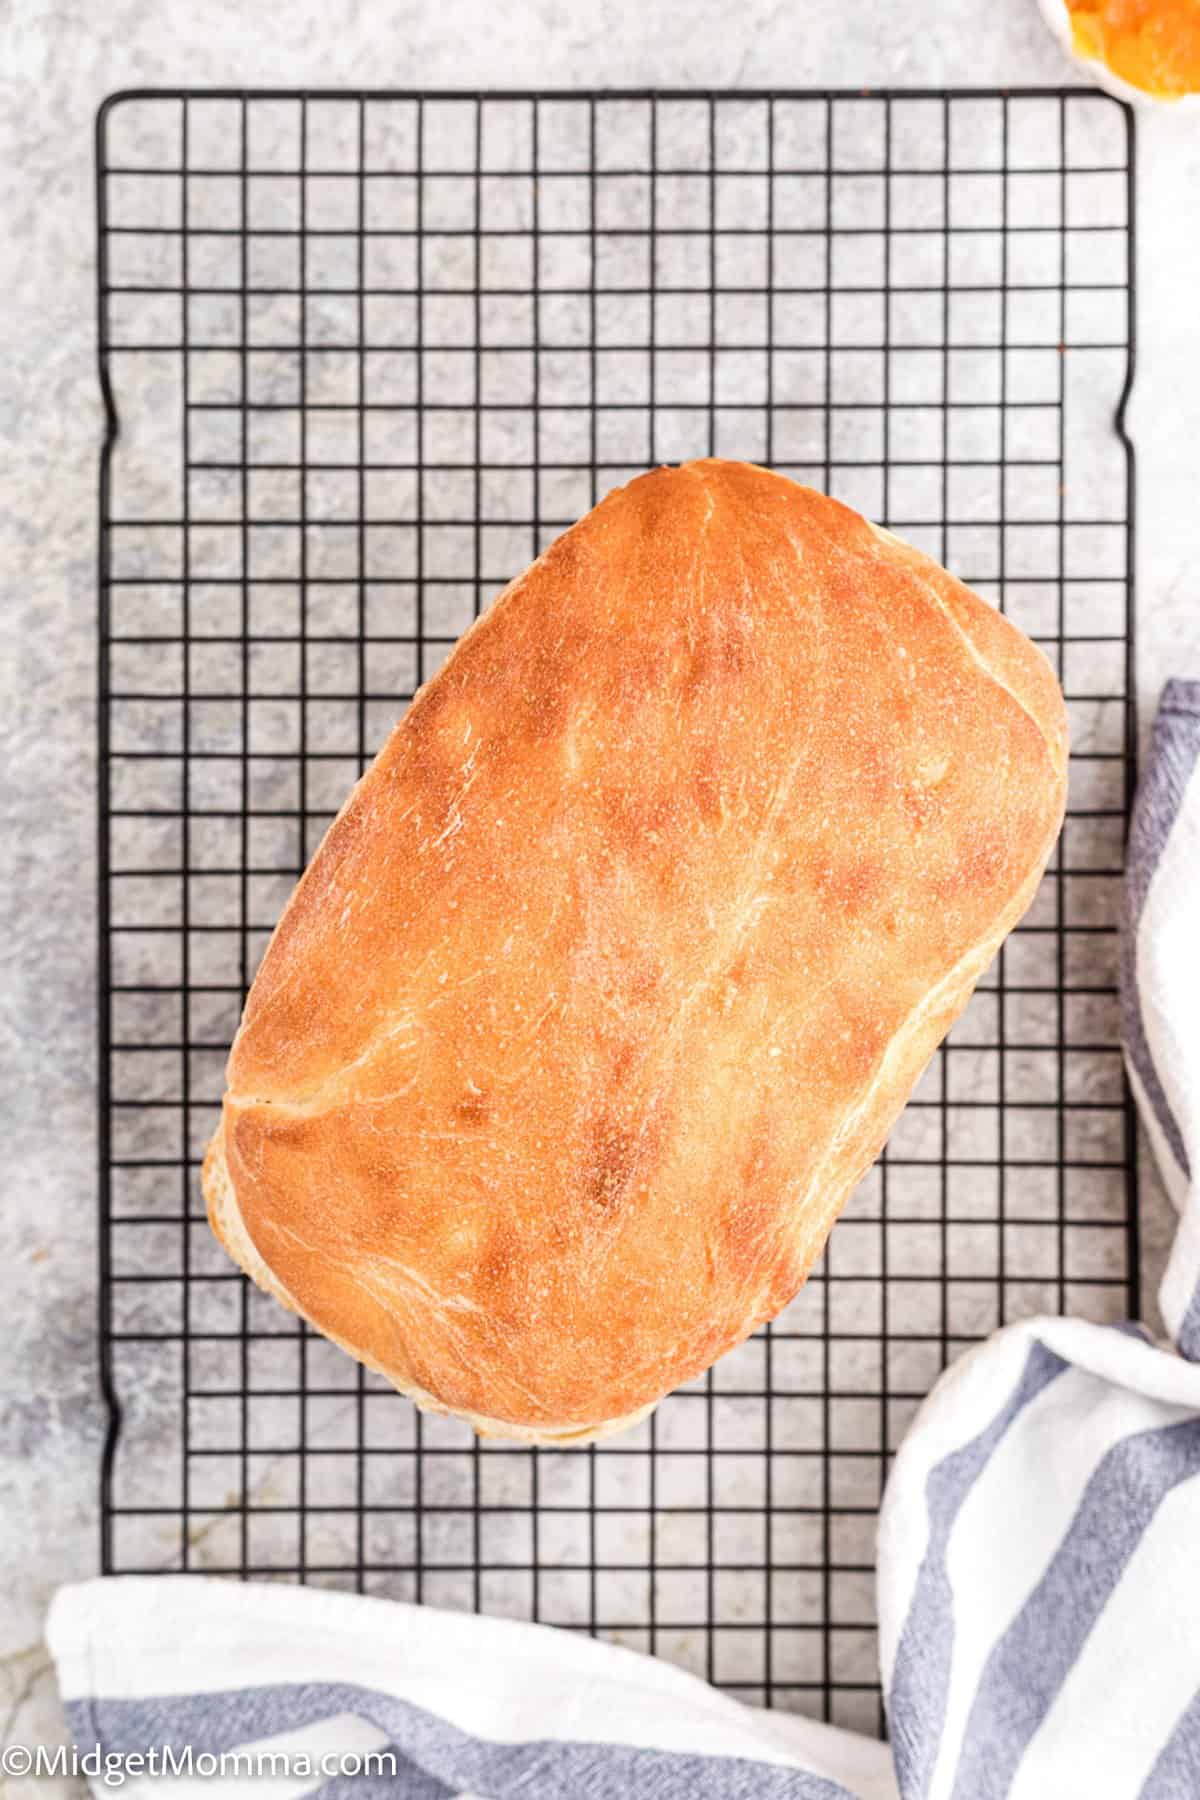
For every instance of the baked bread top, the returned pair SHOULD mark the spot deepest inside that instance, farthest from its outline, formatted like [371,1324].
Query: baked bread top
[615,969]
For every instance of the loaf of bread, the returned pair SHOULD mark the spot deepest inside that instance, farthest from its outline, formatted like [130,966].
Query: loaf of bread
[614,971]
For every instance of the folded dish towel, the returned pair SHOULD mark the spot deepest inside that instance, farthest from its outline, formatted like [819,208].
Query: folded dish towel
[1039,1578]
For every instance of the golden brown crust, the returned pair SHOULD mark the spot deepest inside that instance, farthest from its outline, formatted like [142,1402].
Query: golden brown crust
[613,973]
[224,1216]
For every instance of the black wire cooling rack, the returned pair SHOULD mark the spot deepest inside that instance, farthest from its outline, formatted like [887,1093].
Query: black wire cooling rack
[362,356]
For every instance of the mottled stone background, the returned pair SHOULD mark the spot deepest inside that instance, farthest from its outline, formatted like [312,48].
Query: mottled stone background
[59,61]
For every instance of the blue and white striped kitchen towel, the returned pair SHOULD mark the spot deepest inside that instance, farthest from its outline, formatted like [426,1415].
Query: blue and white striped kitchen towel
[1039,1558]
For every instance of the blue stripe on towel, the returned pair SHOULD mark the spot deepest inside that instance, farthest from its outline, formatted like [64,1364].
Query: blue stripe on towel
[539,1770]
[1174,753]
[921,1682]
[1030,1663]
[410,1780]
[1176,1774]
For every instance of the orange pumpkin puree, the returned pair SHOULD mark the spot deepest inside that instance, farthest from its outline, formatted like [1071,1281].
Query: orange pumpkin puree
[1152,44]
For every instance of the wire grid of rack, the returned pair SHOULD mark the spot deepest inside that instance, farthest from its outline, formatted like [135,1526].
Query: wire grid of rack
[363,356]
